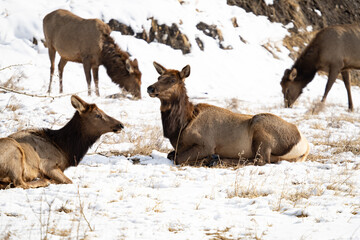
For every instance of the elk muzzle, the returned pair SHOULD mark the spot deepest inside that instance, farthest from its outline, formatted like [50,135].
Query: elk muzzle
[151,91]
[287,104]
[118,127]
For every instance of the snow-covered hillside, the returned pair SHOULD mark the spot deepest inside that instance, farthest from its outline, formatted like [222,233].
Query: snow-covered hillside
[125,188]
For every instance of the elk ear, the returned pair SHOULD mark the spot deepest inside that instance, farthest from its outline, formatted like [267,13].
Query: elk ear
[129,68]
[185,72]
[160,69]
[78,103]
[293,74]
[135,62]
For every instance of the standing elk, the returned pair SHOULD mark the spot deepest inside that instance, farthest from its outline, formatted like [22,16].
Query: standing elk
[200,132]
[88,41]
[34,158]
[334,50]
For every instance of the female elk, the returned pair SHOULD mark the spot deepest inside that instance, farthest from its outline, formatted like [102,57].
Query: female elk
[199,131]
[33,158]
[334,50]
[88,41]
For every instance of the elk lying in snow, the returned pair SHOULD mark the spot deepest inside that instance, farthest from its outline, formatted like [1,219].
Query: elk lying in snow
[34,158]
[88,41]
[334,49]
[198,132]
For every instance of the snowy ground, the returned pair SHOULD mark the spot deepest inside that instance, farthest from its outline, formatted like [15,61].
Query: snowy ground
[139,194]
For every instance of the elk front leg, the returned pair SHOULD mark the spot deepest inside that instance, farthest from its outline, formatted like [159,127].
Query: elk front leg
[95,71]
[87,70]
[58,176]
[333,73]
[61,66]
[193,156]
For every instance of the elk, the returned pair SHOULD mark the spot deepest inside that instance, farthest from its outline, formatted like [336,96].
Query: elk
[334,50]
[198,132]
[35,157]
[88,41]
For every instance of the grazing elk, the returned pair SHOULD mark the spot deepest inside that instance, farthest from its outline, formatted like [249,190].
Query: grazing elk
[34,158]
[200,132]
[335,50]
[88,41]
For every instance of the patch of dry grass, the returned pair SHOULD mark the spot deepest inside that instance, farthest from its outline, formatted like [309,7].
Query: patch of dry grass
[340,146]
[219,234]
[145,140]
[246,188]
[13,81]
[272,49]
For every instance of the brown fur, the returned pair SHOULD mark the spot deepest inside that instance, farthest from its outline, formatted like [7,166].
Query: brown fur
[88,41]
[33,158]
[335,50]
[199,131]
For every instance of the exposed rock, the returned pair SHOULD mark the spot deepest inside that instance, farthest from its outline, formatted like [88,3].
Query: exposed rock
[210,30]
[120,27]
[200,43]
[170,36]
[214,32]
[161,33]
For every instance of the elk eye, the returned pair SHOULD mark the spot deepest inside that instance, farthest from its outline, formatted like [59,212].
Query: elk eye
[98,116]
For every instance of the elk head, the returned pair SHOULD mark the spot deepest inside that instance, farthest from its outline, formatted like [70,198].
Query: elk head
[94,121]
[169,84]
[291,87]
[133,83]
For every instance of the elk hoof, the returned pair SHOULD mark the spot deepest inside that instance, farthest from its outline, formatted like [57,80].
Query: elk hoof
[171,155]
[259,162]
[214,160]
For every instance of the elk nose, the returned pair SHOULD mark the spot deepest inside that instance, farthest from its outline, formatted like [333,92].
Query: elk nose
[121,126]
[150,89]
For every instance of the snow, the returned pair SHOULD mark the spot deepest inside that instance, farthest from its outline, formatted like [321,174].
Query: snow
[139,196]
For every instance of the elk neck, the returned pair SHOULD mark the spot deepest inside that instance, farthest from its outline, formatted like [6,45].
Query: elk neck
[72,139]
[306,65]
[110,52]
[176,113]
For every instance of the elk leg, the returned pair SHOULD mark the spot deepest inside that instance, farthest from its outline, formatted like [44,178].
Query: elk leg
[333,73]
[58,176]
[17,179]
[95,71]
[193,156]
[43,182]
[12,162]
[347,82]
[261,148]
[61,66]
[4,185]
[52,53]
[87,70]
